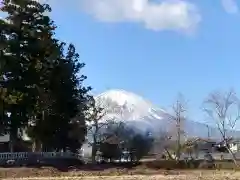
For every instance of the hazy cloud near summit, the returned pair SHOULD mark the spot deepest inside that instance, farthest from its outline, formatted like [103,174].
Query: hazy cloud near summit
[178,15]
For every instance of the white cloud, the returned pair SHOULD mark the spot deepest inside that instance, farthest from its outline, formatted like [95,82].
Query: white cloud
[230,6]
[177,15]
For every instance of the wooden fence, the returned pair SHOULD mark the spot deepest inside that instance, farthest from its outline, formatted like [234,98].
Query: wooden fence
[38,158]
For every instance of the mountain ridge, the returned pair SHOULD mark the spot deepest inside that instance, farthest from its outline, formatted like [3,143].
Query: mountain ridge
[134,110]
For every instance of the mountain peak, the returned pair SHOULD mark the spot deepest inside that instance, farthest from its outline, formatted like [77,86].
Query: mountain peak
[122,105]
[122,97]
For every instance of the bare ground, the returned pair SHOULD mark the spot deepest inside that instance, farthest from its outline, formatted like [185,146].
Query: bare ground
[208,176]
[116,174]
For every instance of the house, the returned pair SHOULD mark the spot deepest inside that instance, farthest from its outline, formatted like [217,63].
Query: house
[206,145]
[4,143]
[234,145]
[201,145]
[23,143]
[198,147]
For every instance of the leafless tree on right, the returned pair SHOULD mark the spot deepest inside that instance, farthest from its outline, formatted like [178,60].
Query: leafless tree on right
[224,110]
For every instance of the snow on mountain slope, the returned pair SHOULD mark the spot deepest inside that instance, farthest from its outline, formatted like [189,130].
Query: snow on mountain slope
[126,104]
[134,110]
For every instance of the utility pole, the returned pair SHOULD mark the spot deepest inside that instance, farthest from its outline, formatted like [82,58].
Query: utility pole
[208,132]
[178,119]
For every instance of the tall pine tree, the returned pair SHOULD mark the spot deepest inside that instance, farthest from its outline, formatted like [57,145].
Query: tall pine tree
[20,62]
[40,86]
[65,126]
[71,100]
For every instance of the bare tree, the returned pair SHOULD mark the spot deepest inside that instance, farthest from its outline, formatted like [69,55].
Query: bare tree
[178,116]
[170,140]
[97,124]
[94,116]
[191,146]
[224,109]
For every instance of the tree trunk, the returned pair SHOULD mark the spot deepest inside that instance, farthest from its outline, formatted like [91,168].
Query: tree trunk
[169,154]
[94,153]
[196,153]
[12,139]
[233,156]
[94,149]
[11,144]
[178,140]
[36,146]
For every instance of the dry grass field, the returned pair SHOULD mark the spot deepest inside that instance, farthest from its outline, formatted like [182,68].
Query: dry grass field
[147,170]
[187,176]
[117,174]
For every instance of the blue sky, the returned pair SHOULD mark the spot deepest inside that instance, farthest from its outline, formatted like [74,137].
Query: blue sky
[155,49]
[195,52]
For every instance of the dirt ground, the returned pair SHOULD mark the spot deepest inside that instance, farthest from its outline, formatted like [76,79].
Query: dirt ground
[139,177]
[116,174]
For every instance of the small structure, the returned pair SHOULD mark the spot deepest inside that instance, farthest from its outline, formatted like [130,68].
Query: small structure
[22,144]
[206,145]
[199,147]
[4,143]
[234,145]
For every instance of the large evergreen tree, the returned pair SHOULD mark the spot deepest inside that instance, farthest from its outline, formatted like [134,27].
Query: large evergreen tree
[40,85]
[65,126]
[24,49]
[74,96]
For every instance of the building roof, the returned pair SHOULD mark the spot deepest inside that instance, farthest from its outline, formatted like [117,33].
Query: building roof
[194,140]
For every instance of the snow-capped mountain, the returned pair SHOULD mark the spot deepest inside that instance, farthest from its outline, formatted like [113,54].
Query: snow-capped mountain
[139,113]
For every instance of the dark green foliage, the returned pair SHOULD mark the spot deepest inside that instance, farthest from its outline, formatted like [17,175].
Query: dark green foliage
[110,151]
[139,145]
[63,125]
[70,98]
[135,144]
[41,82]
[22,53]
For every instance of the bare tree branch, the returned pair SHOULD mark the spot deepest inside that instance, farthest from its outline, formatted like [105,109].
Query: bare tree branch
[96,120]
[178,115]
[224,109]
